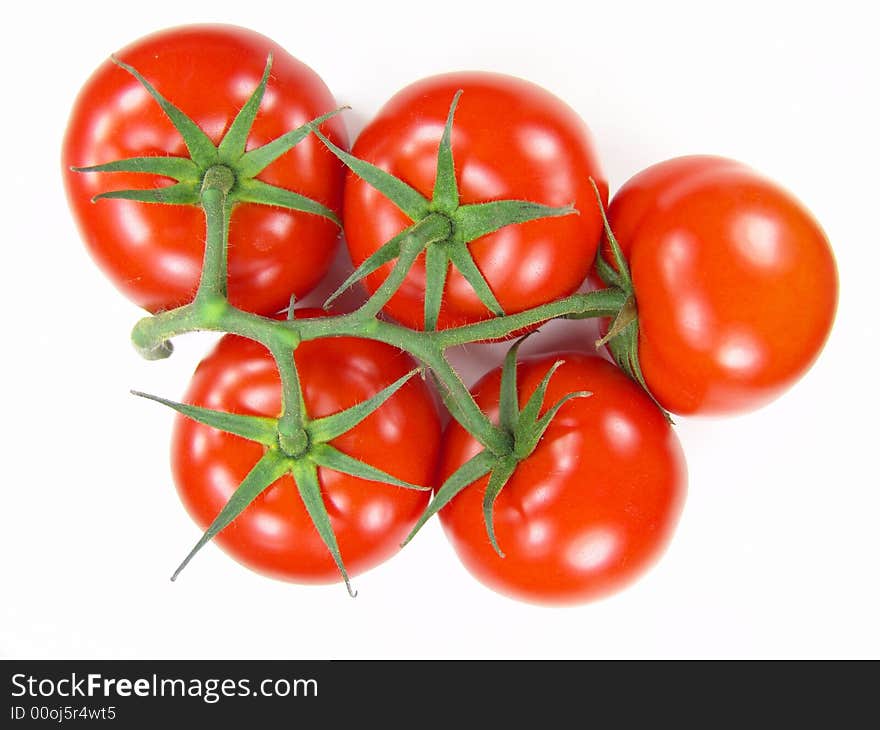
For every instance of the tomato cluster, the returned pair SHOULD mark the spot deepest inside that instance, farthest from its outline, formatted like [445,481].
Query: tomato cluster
[209,184]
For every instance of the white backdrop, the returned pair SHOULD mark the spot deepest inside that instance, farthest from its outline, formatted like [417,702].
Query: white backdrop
[776,554]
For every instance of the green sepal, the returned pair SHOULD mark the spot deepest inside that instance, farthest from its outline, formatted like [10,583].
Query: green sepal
[436,271]
[254,428]
[266,471]
[200,146]
[607,273]
[404,196]
[481,219]
[322,430]
[182,193]
[233,144]
[463,261]
[622,338]
[415,239]
[499,477]
[383,255]
[527,431]
[508,399]
[332,458]
[529,414]
[445,197]
[230,155]
[254,161]
[256,191]
[474,468]
[305,472]
[182,169]
[624,348]
[543,422]
[623,278]
[624,317]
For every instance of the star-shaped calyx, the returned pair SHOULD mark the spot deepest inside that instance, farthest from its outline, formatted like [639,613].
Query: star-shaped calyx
[524,427]
[227,162]
[298,454]
[441,227]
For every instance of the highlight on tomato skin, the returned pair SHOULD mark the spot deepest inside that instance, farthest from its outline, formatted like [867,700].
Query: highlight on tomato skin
[153,252]
[735,283]
[593,507]
[274,535]
[511,139]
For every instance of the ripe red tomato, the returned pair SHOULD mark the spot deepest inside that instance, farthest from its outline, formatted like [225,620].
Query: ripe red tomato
[153,253]
[734,280]
[511,140]
[592,507]
[274,534]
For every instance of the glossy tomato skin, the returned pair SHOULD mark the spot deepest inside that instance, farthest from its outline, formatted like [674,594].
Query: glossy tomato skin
[735,282]
[511,140]
[593,506]
[153,253]
[274,535]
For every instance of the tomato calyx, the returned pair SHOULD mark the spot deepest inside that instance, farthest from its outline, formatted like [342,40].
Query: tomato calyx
[466,223]
[622,338]
[524,427]
[226,166]
[294,445]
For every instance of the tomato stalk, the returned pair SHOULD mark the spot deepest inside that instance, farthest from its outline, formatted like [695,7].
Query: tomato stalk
[214,197]
[217,178]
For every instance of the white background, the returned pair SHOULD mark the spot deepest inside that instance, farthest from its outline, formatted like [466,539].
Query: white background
[776,554]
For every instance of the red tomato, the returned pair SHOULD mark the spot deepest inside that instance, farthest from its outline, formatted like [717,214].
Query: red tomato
[734,280]
[592,507]
[274,534]
[511,140]
[153,253]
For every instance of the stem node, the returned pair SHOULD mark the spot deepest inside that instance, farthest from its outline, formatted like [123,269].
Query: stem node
[218,177]
[292,438]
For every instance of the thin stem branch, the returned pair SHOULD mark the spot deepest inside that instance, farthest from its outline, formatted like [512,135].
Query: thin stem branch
[592,304]
[291,424]
[281,337]
[421,346]
[291,393]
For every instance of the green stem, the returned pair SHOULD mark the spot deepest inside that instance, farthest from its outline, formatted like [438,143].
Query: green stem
[152,333]
[421,346]
[217,183]
[592,304]
[427,347]
[292,436]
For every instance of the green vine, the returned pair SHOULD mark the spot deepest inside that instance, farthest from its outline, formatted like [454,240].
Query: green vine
[217,178]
